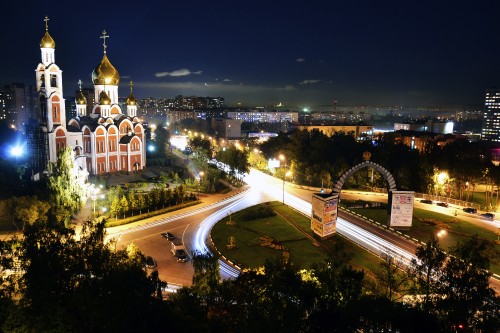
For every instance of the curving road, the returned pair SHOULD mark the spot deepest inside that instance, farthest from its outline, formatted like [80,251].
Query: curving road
[193,225]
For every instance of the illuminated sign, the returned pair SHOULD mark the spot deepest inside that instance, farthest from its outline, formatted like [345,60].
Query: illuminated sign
[324,213]
[402,208]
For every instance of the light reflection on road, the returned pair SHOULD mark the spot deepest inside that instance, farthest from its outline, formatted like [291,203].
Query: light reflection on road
[266,188]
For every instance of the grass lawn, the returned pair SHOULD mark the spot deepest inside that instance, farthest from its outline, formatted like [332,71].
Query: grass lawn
[426,223]
[304,252]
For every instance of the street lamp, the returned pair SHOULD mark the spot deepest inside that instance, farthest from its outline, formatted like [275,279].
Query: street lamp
[93,196]
[200,175]
[287,174]
[442,233]
[282,158]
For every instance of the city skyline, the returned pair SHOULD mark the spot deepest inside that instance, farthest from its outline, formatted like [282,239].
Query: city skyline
[302,54]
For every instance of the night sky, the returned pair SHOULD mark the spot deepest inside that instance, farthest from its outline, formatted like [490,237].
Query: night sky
[298,53]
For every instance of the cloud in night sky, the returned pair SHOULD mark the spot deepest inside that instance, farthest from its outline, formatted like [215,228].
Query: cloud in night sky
[226,80]
[309,81]
[300,59]
[177,73]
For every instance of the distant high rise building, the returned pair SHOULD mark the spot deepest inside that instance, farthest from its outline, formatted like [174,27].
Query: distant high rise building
[20,104]
[491,116]
[3,111]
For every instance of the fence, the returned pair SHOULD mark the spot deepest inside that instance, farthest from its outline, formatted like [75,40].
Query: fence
[452,201]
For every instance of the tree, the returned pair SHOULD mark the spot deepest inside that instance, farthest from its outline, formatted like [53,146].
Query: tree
[235,159]
[206,276]
[70,285]
[132,201]
[20,211]
[141,202]
[66,185]
[466,297]
[427,269]
[123,205]
[339,287]
[257,160]
[393,282]
[115,207]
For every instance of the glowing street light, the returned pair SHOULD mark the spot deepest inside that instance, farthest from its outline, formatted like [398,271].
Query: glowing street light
[93,196]
[442,233]
[200,175]
[286,174]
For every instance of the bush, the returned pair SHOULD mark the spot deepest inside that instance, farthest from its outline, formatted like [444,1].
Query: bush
[256,213]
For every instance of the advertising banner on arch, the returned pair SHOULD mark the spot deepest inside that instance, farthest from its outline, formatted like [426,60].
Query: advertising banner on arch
[402,209]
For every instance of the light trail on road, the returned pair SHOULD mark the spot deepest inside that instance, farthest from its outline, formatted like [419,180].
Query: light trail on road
[175,217]
[273,191]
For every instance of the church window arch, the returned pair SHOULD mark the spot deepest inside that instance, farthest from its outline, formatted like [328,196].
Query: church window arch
[53,80]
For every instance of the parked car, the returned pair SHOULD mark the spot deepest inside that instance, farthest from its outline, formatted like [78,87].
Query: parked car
[426,201]
[489,216]
[443,204]
[150,262]
[181,255]
[470,210]
[168,235]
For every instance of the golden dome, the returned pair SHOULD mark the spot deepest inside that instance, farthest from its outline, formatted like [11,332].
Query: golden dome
[105,73]
[104,98]
[80,99]
[131,100]
[47,41]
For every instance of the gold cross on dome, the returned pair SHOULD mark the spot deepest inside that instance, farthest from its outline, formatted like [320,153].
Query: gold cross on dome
[131,84]
[104,36]
[46,22]
[80,84]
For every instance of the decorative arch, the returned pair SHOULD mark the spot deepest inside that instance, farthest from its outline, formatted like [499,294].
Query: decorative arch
[115,110]
[100,130]
[112,129]
[74,123]
[125,126]
[60,132]
[367,164]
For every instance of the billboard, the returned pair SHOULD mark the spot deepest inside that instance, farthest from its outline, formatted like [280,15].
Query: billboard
[402,209]
[324,213]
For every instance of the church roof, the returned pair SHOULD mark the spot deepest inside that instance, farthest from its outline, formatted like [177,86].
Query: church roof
[126,139]
[71,128]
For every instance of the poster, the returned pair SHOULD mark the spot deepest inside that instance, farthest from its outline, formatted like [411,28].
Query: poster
[324,213]
[402,208]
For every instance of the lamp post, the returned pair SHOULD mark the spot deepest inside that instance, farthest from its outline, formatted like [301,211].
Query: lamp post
[93,196]
[282,158]
[199,182]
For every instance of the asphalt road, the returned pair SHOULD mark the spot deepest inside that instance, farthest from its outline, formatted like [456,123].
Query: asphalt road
[185,224]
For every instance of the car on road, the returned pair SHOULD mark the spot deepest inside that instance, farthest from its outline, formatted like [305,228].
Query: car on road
[489,216]
[181,255]
[443,204]
[426,201]
[470,210]
[168,235]
[149,262]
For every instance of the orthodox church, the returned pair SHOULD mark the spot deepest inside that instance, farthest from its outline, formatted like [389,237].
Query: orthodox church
[104,141]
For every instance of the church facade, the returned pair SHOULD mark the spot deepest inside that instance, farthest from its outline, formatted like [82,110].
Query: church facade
[105,140]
